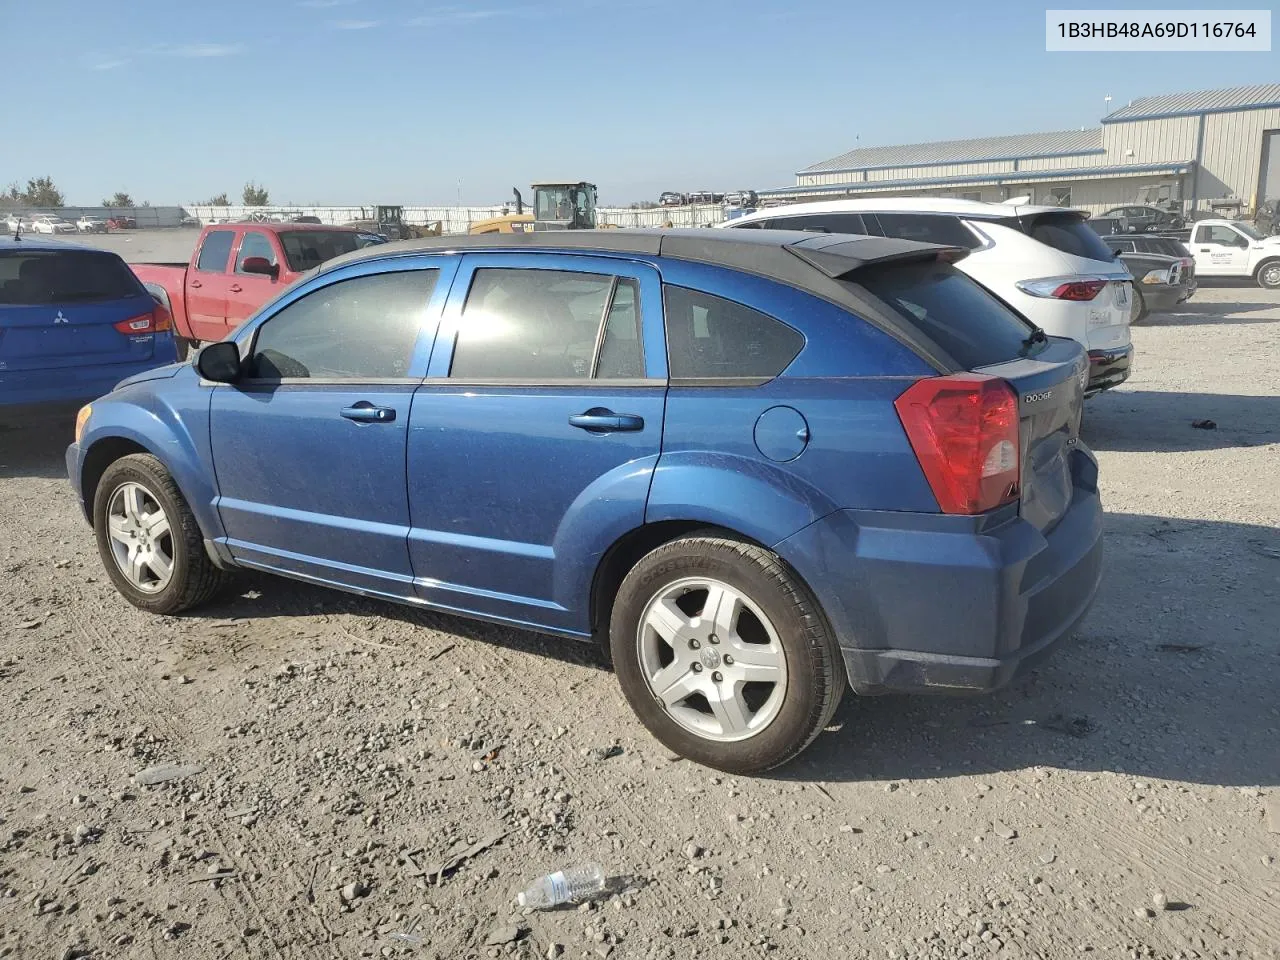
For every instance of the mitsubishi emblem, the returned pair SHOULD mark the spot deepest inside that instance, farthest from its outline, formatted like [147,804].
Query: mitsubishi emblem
[60,318]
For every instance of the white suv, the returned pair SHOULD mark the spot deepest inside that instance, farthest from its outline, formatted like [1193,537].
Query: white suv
[1045,262]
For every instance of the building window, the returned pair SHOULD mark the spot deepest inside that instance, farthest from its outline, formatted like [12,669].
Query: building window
[972,195]
[1059,197]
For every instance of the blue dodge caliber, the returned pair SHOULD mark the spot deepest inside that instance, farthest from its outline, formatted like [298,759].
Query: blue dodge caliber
[760,465]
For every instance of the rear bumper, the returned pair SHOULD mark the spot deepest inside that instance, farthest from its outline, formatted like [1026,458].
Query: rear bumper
[65,385]
[1161,297]
[1108,368]
[932,603]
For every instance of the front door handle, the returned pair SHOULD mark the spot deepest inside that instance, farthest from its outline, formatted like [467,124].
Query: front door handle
[366,412]
[602,420]
[235,288]
[1205,250]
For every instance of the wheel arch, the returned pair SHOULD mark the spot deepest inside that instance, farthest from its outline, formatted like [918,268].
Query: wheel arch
[1262,265]
[625,552]
[97,458]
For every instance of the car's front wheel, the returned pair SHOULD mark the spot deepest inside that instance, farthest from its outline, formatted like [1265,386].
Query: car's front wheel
[724,655]
[1269,275]
[149,540]
[1139,312]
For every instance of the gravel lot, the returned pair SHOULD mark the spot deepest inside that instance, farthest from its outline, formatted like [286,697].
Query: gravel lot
[1124,800]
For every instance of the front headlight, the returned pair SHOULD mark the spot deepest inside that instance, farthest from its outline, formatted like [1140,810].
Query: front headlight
[82,418]
[1156,276]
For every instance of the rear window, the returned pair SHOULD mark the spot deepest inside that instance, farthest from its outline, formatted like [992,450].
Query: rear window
[1070,234]
[819,223]
[946,306]
[37,277]
[306,249]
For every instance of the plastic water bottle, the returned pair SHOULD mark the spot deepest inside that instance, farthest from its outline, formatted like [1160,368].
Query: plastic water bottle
[572,883]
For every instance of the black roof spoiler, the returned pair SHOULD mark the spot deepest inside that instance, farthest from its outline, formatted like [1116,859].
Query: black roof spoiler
[838,255]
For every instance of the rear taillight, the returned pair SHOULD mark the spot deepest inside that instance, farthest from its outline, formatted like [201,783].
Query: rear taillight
[1064,288]
[964,431]
[154,322]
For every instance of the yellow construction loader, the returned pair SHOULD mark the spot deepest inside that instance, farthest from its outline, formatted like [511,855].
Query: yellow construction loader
[556,206]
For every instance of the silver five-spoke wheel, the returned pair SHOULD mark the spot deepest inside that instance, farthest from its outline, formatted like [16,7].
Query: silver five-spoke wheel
[141,538]
[712,659]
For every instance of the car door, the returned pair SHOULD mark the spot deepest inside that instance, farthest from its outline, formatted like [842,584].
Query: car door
[309,447]
[246,292]
[534,437]
[1220,251]
[207,283]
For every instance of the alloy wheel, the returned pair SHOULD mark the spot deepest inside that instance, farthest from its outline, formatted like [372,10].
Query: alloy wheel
[712,660]
[140,536]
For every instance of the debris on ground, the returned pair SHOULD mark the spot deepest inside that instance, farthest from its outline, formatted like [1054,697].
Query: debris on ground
[165,772]
[1204,424]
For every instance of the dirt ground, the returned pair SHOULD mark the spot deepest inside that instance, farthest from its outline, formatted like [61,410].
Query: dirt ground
[1123,801]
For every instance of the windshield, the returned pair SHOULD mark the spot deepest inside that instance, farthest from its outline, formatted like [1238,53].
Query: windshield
[305,249]
[1248,230]
[42,277]
[553,203]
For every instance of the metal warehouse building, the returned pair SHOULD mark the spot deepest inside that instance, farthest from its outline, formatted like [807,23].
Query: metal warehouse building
[1214,150]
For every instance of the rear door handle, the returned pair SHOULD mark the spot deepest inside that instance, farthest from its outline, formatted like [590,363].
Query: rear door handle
[366,412]
[235,288]
[196,283]
[601,420]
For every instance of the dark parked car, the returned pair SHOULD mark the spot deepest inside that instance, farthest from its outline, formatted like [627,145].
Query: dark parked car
[1160,283]
[1149,243]
[760,465]
[1144,219]
[672,199]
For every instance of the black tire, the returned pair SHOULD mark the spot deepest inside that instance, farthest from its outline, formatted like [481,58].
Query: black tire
[194,579]
[815,669]
[185,347]
[1268,275]
[1139,307]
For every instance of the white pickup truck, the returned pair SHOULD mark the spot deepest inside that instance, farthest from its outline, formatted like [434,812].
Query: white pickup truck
[1233,248]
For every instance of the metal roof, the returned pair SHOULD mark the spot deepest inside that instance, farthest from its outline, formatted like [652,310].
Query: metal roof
[1020,146]
[1199,101]
[1011,177]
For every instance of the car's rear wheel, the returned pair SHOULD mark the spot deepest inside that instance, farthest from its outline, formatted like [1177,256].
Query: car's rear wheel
[1268,275]
[149,540]
[1139,306]
[724,655]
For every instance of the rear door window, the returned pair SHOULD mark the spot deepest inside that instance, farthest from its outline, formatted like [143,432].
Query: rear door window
[215,251]
[43,277]
[820,223]
[710,338]
[928,228]
[540,325]
[960,316]
[1068,233]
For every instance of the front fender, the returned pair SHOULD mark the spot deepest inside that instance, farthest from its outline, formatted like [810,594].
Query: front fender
[173,427]
[750,497]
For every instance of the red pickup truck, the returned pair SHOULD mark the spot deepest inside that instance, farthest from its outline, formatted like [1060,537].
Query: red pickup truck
[236,268]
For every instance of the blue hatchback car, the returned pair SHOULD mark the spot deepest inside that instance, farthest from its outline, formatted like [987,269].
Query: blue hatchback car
[74,321]
[760,465]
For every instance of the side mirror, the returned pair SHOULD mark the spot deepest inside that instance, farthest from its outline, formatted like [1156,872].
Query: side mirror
[260,265]
[219,362]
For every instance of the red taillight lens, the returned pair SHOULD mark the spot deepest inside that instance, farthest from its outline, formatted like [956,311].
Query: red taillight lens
[964,431]
[154,322]
[1080,290]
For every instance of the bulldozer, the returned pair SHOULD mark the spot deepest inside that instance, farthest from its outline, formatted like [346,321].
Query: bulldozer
[388,220]
[556,206]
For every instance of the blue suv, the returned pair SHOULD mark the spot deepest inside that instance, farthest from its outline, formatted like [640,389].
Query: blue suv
[759,465]
[74,321]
